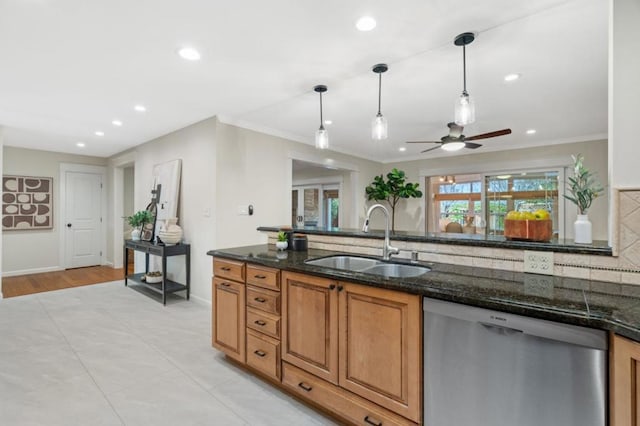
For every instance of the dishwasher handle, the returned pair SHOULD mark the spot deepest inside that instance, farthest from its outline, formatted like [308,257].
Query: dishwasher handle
[500,329]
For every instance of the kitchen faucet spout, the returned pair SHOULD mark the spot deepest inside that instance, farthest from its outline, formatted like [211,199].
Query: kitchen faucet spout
[387,249]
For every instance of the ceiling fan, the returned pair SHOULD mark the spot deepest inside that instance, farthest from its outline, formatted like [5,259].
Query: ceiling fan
[455,140]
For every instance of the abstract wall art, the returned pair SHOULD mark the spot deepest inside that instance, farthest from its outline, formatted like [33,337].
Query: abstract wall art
[27,203]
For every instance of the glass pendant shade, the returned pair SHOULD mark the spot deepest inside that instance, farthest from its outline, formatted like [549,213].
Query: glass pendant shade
[465,111]
[453,146]
[379,127]
[322,138]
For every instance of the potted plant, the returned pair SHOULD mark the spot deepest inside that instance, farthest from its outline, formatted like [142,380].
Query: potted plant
[282,244]
[583,188]
[137,221]
[392,191]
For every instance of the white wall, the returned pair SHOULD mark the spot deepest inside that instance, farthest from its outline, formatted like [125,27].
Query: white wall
[37,251]
[195,146]
[411,215]
[1,233]
[129,193]
[255,168]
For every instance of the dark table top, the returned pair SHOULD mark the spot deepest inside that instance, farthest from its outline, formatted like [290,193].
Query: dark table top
[596,304]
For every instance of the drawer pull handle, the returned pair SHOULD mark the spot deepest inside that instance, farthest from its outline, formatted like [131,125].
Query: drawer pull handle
[260,299]
[225,268]
[340,288]
[372,422]
[260,353]
[332,286]
[225,284]
[260,323]
[305,386]
[260,277]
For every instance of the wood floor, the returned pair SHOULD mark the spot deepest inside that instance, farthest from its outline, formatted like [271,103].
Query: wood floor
[36,283]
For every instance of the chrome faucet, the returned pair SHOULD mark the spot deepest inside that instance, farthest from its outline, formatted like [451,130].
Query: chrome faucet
[387,249]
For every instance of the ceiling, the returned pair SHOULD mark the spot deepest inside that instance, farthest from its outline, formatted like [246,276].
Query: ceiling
[70,67]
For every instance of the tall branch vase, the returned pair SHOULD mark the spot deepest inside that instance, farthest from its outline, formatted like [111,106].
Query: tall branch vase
[582,230]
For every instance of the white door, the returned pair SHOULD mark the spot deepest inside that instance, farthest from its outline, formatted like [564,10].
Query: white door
[82,219]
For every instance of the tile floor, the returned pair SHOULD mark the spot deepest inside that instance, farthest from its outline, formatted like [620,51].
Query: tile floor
[109,355]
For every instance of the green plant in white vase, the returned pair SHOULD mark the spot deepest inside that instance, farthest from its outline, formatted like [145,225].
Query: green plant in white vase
[583,188]
[137,221]
[281,242]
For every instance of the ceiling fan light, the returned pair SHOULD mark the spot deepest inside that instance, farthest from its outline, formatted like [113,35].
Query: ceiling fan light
[465,110]
[379,128]
[453,146]
[322,138]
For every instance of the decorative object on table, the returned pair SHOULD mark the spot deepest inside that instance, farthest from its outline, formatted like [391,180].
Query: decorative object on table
[583,187]
[153,277]
[167,175]
[282,244]
[170,232]
[27,203]
[149,228]
[137,221]
[392,191]
[528,226]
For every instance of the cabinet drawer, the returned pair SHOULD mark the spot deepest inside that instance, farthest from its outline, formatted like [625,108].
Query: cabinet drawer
[263,277]
[230,269]
[263,353]
[343,403]
[265,300]
[263,322]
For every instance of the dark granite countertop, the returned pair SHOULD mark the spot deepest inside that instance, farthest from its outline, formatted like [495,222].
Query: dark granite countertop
[596,304]
[496,241]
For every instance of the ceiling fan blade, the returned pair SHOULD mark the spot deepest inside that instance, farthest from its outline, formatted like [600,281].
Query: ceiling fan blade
[455,130]
[424,142]
[472,145]
[490,135]
[430,149]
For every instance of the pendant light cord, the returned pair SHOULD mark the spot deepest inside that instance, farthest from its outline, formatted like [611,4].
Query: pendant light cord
[464,68]
[379,92]
[321,120]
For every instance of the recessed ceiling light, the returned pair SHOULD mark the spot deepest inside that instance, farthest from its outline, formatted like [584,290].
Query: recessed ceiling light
[80,144]
[512,77]
[402,149]
[99,133]
[328,122]
[117,123]
[189,53]
[366,23]
[140,108]
[531,131]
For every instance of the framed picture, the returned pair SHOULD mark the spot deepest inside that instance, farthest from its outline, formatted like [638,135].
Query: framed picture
[27,203]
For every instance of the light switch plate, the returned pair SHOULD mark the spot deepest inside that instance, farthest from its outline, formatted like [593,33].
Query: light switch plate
[538,262]
[243,211]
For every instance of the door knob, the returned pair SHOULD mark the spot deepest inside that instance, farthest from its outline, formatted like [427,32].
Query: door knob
[68,225]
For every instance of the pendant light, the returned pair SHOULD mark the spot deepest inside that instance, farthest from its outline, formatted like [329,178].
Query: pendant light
[379,125]
[322,137]
[465,111]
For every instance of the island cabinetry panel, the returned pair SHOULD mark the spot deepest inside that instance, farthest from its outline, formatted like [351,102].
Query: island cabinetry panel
[380,347]
[228,317]
[310,321]
[624,385]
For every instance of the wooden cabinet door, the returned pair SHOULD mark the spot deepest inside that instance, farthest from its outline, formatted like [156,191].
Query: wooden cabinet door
[381,347]
[310,321]
[228,318]
[624,385]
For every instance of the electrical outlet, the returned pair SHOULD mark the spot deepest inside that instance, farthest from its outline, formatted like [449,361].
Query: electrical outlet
[538,262]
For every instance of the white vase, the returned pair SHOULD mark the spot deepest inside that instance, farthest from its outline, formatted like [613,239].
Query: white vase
[281,245]
[170,232]
[135,234]
[582,230]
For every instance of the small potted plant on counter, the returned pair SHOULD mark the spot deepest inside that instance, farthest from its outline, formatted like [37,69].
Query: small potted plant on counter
[137,221]
[282,244]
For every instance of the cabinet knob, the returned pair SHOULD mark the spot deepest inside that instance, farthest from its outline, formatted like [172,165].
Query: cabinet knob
[340,288]
[68,225]
[332,286]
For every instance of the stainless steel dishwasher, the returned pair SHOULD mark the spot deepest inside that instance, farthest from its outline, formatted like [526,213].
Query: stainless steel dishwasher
[489,368]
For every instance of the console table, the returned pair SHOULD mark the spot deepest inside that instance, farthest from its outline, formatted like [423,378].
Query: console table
[165,286]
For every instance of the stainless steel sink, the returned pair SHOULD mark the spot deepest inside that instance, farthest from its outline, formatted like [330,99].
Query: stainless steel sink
[347,263]
[369,266]
[396,270]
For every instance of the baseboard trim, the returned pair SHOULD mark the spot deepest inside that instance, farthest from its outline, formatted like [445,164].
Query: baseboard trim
[200,300]
[31,271]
